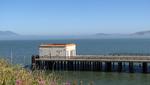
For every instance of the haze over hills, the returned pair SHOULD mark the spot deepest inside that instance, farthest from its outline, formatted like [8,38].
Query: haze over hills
[142,33]
[136,33]
[9,35]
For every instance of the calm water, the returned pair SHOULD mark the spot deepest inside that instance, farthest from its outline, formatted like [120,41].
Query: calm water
[23,49]
[103,78]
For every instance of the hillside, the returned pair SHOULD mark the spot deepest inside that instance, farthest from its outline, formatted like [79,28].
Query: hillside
[142,33]
[8,33]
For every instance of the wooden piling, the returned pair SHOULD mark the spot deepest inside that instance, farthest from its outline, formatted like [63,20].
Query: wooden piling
[131,69]
[119,69]
[33,62]
[102,64]
[144,67]
[108,66]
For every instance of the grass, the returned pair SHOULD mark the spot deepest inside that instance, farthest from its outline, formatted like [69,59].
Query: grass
[16,75]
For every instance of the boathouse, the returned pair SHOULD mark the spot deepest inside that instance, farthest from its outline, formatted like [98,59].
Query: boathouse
[59,50]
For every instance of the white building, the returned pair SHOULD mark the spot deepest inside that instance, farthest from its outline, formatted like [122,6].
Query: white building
[52,50]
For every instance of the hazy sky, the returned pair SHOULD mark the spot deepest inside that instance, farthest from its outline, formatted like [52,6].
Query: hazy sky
[74,16]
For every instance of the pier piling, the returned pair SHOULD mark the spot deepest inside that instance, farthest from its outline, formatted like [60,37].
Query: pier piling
[108,64]
[131,69]
[119,67]
[144,67]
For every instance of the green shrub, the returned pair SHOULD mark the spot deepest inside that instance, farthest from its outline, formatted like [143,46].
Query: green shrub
[16,75]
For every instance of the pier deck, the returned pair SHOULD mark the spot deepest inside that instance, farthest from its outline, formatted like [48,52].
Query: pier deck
[100,58]
[106,63]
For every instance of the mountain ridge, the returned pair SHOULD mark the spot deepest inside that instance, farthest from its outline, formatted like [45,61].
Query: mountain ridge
[135,33]
[8,33]
[142,32]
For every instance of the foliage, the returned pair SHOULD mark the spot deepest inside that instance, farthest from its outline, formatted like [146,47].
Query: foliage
[16,75]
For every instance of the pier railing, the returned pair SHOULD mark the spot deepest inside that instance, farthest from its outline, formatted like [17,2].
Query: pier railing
[52,57]
[92,63]
[97,58]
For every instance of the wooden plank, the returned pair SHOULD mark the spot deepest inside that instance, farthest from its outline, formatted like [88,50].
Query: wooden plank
[97,58]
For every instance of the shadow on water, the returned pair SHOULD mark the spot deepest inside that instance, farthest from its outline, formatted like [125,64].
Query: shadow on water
[104,78]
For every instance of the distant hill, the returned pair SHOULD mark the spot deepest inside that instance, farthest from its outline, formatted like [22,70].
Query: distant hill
[8,33]
[136,33]
[142,33]
[103,34]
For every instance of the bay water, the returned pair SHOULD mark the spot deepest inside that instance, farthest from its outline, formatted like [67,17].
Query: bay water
[22,50]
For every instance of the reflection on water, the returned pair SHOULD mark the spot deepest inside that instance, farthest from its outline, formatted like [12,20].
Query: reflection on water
[104,78]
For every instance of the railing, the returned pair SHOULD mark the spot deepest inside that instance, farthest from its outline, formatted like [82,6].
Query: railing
[97,57]
[53,57]
[112,57]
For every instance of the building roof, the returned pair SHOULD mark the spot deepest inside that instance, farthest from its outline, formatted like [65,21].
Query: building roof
[56,45]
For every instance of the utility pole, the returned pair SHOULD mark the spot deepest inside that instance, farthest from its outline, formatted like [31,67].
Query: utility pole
[24,60]
[11,57]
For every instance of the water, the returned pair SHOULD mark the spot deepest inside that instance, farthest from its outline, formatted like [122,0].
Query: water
[23,49]
[103,78]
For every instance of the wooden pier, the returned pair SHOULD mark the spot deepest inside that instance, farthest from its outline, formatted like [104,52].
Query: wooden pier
[107,63]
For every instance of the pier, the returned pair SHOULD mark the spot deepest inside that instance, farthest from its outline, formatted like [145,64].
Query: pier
[104,63]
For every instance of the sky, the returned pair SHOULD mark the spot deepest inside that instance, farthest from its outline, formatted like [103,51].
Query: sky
[73,17]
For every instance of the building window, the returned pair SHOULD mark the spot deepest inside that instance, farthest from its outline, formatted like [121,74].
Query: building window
[72,53]
[67,53]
